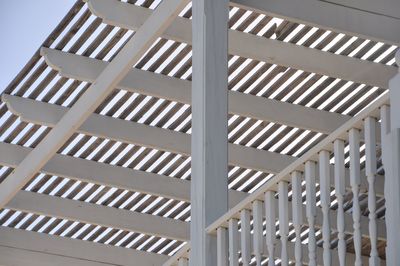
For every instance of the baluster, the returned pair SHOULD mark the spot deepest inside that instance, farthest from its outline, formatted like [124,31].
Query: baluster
[222,249]
[310,171]
[233,242]
[270,225]
[245,236]
[258,230]
[297,211]
[325,189]
[355,180]
[183,262]
[283,220]
[370,170]
[340,191]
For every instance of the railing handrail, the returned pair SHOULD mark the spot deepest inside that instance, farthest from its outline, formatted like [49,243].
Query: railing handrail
[298,165]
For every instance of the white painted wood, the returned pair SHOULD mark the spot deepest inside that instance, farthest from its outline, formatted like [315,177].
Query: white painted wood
[283,221]
[86,251]
[325,190]
[174,89]
[209,139]
[270,214]
[94,95]
[234,242]
[391,159]
[99,215]
[353,21]
[297,214]
[255,47]
[310,176]
[340,192]
[354,142]
[104,174]
[298,165]
[258,237]
[370,166]
[144,135]
[222,247]
[245,237]
[183,262]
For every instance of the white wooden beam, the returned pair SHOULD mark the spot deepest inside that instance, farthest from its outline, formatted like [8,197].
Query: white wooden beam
[32,202]
[337,17]
[163,139]
[109,175]
[20,248]
[90,213]
[165,87]
[144,37]
[129,16]
[209,139]
[143,135]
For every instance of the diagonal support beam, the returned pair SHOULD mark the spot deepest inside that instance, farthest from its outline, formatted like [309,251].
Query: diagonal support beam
[143,135]
[144,37]
[19,247]
[129,16]
[165,87]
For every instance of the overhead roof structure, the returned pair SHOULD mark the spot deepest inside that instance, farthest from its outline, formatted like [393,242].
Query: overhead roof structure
[120,176]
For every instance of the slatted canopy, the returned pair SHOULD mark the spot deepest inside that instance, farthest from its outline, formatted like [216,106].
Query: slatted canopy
[118,189]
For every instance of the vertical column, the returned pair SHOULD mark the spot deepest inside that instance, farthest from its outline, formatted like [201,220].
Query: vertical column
[297,210]
[209,189]
[391,163]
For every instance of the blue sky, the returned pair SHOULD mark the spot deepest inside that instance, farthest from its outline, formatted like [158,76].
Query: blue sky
[24,25]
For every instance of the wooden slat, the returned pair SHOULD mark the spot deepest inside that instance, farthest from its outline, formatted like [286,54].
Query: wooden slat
[109,175]
[99,215]
[165,87]
[251,46]
[20,248]
[143,135]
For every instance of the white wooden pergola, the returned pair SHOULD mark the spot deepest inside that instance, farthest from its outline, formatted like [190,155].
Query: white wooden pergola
[280,146]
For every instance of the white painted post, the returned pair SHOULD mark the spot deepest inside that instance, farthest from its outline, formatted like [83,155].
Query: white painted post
[370,170]
[209,188]
[355,181]
[340,191]
[325,189]
[258,230]
[311,208]
[283,220]
[391,163]
[245,237]
[233,242]
[297,212]
[222,249]
[270,214]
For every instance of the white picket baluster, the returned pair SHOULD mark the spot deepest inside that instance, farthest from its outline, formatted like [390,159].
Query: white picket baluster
[325,189]
[258,230]
[245,236]
[340,192]
[370,170]
[355,180]
[283,220]
[270,225]
[183,262]
[233,243]
[310,172]
[297,211]
[222,249]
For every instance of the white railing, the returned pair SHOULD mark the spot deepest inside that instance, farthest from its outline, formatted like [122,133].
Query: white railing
[277,208]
